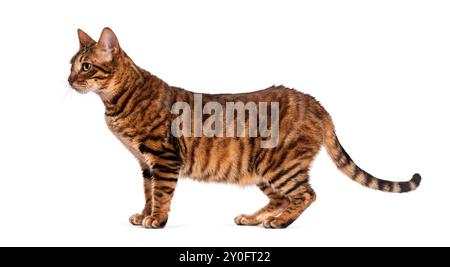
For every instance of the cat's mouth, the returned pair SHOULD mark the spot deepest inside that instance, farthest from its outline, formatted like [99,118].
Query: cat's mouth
[81,88]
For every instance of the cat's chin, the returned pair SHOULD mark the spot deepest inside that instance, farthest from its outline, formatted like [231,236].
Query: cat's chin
[82,90]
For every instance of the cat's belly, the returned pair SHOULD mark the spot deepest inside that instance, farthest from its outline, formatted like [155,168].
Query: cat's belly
[222,174]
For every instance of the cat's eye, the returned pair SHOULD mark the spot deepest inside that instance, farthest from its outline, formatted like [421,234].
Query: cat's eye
[86,66]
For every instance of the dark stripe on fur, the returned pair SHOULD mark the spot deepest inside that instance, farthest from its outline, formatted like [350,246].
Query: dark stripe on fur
[147,174]
[122,105]
[287,180]
[166,169]
[145,149]
[166,189]
[166,179]
[283,172]
[296,186]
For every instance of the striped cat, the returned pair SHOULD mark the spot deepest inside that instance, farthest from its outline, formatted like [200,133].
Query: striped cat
[139,111]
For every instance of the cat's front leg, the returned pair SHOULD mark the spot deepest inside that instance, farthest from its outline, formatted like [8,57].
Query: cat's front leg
[147,174]
[165,178]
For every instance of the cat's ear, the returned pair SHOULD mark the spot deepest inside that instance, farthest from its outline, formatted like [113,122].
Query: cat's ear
[108,41]
[85,39]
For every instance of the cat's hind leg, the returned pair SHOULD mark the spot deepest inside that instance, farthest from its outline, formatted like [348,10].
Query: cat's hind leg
[300,194]
[277,203]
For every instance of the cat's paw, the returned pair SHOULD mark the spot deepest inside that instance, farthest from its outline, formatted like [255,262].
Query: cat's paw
[246,220]
[276,223]
[154,222]
[136,219]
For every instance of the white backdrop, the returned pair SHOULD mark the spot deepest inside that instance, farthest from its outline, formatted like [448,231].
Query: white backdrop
[381,68]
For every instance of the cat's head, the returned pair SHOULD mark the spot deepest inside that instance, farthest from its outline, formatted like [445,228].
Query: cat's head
[96,63]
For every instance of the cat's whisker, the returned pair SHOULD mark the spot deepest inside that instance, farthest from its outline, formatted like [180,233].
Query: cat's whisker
[68,91]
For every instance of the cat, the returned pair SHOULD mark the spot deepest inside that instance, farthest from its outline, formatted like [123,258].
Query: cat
[139,112]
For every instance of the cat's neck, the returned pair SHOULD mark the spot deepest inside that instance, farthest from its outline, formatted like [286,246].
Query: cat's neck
[132,85]
[129,78]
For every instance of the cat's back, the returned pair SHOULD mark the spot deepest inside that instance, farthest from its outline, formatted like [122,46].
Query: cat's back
[295,108]
[275,93]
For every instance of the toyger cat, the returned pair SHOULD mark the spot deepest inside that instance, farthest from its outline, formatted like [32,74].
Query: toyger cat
[138,112]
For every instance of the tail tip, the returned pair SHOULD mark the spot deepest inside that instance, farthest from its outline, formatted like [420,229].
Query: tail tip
[416,179]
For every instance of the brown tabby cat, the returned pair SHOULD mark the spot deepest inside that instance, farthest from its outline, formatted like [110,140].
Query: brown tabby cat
[138,112]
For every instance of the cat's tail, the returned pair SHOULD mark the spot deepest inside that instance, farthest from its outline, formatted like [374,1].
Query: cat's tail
[348,166]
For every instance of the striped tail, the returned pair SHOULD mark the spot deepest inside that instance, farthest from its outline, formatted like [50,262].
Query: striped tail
[348,166]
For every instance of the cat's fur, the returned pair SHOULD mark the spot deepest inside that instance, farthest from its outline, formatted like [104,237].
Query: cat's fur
[138,105]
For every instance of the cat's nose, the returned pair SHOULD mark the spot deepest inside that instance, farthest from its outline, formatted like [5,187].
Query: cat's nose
[71,79]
